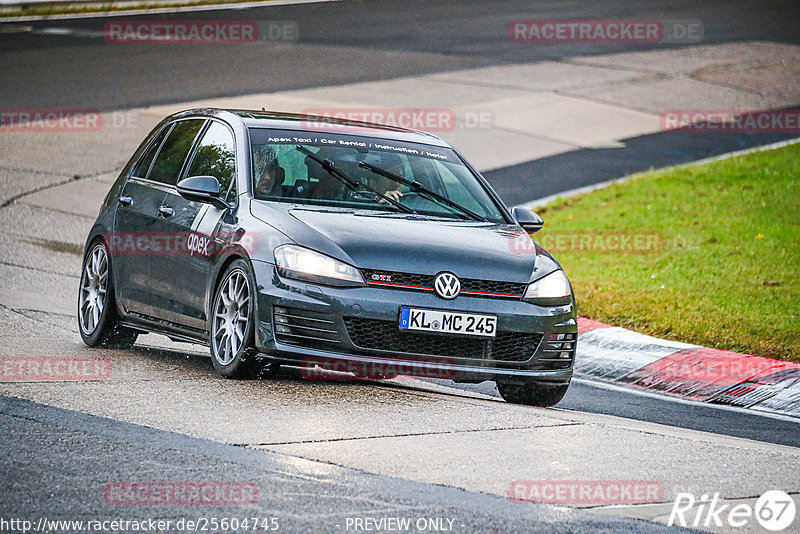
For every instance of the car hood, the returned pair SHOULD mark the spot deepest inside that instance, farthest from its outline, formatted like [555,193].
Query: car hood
[409,243]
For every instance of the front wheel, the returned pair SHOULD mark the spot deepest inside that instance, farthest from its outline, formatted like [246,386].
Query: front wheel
[533,394]
[98,321]
[233,324]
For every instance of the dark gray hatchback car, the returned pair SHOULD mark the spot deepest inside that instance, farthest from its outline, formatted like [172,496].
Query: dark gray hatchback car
[342,248]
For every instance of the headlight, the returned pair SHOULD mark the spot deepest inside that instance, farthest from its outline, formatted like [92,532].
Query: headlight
[550,290]
[301,263]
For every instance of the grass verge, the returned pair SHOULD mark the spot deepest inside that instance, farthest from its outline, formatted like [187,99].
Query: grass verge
[708,254]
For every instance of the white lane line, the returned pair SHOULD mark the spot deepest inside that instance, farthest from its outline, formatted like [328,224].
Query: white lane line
[538,202]
[161,10]
[662,397]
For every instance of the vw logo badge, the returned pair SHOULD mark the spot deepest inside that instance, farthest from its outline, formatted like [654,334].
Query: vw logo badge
[447,285]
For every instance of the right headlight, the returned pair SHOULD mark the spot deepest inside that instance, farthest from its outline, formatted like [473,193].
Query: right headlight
[550,290]
[308,265]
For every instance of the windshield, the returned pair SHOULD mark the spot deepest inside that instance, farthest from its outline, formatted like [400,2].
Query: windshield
[284,171]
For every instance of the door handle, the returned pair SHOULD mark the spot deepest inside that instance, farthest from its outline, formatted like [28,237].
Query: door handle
[166,211]
[125,201]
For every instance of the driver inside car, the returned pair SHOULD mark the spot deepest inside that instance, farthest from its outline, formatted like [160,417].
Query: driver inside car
[384,185]
[271,175]
[271,181]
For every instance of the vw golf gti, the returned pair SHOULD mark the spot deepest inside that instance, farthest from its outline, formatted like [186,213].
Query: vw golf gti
[284,240]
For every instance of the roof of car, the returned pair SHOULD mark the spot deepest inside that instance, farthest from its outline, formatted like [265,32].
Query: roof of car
[309,123]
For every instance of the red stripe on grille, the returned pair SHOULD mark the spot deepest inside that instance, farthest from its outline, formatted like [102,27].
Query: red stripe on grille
[400,285]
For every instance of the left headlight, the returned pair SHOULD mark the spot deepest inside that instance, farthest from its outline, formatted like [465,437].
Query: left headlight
[550,290]
[304,264]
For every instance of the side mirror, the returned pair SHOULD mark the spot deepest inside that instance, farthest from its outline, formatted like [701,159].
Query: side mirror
[528,220]
[202,189]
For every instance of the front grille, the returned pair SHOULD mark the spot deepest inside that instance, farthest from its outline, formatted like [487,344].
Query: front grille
[424,282]
[374,334]
[302,327]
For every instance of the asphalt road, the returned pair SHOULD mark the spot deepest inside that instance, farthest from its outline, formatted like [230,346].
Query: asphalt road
[67,64]
[340,42]
[593,397]
[85,453]
[370,40]
[59,459]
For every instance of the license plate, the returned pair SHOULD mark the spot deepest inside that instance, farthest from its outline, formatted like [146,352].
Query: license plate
[448,322]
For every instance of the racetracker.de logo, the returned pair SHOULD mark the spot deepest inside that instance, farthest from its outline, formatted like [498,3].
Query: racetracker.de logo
[54,368]
[201,31]
[605,31]
[428,119]
[188,492]
[321,368]
[731,121]
[586,492]
[50,120]
[589,242]
[177,243]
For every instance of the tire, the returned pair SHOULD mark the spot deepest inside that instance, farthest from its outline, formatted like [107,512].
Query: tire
[533,394]
[232,332]
[98,320]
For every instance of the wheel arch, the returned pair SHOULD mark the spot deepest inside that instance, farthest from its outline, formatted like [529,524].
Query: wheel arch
[100,233]
[222,266]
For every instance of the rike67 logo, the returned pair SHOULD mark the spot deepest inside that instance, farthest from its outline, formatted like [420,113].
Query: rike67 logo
[774,511]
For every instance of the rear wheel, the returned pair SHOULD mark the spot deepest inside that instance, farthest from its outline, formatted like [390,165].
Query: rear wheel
[98,321]
[233,324]
[533,394]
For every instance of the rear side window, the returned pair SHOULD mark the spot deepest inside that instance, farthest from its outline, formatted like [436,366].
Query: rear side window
[215,156]
[170,159]
[144,164]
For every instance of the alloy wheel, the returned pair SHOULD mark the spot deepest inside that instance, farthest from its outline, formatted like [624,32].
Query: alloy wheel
[231,314]
[94,286]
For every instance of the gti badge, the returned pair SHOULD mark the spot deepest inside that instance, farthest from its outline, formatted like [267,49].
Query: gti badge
[447,285]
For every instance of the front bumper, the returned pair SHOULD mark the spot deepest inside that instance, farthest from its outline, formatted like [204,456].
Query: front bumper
[301,324]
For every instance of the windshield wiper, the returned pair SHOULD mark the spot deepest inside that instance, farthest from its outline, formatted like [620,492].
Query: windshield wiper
[349,181]
[421,190]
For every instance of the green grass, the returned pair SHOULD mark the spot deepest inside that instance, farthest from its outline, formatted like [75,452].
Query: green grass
[728,272]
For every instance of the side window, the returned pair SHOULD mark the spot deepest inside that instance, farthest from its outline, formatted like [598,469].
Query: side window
[216,156]
[169,161]
[144,164]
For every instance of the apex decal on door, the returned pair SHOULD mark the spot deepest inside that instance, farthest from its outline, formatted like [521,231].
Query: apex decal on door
[199,244]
